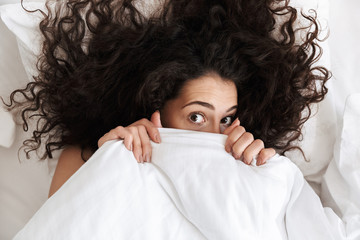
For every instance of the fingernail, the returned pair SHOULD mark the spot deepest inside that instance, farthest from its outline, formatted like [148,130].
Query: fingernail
[148,159]
[227,148]
[130,147]
[236,121]
[141,159]
[157,138]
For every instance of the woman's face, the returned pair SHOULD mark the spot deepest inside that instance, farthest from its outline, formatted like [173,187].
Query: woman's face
[206,104]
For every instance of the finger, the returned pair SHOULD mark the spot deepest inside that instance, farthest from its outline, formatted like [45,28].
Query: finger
[233,136]
[252,151]
[137,149]
[264,155]
[145,144]
[116,133]
[102,140]
[128,141]
[241,144]
[155,119]
[151,129]
[233,125]
[122,133]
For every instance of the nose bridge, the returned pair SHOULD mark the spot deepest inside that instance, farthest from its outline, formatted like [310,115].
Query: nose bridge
[216,127]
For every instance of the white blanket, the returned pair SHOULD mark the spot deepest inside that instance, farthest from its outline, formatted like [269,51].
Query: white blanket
[192,189]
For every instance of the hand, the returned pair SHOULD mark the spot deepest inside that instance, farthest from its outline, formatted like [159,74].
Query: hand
[137,136]
[243,146]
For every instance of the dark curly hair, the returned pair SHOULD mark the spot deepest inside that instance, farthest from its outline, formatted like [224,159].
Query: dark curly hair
[107,63]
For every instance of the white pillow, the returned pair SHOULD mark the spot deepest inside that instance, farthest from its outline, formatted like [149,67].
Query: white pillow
[24,26]
[12,71]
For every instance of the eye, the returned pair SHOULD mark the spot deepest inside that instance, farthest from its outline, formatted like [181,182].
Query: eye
[226,120]
[197,118]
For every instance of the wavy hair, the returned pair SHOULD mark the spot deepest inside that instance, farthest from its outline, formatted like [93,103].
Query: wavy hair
[106,63]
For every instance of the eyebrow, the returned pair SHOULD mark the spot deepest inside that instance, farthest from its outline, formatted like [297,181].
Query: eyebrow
[207,105]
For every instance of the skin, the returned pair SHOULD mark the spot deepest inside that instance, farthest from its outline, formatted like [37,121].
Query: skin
[206,104]
[209,104]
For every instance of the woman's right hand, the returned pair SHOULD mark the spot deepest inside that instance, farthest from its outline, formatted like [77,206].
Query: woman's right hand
[137,136]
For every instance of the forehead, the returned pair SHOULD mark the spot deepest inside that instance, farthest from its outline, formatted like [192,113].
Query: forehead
[210,88]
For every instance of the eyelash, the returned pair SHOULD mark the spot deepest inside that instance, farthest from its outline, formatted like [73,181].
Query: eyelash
[231,119]
[203,116]
[196,113]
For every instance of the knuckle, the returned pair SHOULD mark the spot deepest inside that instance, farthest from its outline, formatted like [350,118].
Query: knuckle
[229,140]
[133,129]
[263,155]
[118,129]
[240,129]
[137,147]
[143,121]
[269,152]
[248,136]
[229,143]
[140,121]
[141,128]
[259,142]
[237,150]
[248,156]
[129,136]
[227,131]
[145,140]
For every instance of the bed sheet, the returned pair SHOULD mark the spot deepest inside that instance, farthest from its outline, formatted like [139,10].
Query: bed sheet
[24,185]
[192,189]
[345,51]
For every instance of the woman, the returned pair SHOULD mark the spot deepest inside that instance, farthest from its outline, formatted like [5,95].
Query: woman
[107,64]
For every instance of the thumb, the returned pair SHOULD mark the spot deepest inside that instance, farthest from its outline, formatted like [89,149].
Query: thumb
[155,119]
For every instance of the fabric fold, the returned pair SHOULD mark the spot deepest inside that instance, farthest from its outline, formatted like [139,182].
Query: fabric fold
[193,189]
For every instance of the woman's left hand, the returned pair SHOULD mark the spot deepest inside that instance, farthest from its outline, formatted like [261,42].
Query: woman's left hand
[243,146]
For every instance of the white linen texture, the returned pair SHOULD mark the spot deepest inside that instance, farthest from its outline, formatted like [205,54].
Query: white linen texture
[193,189]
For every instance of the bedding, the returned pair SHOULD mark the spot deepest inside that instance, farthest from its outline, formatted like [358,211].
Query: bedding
[7,129]
[193,189]
[341,182]
[24,184]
